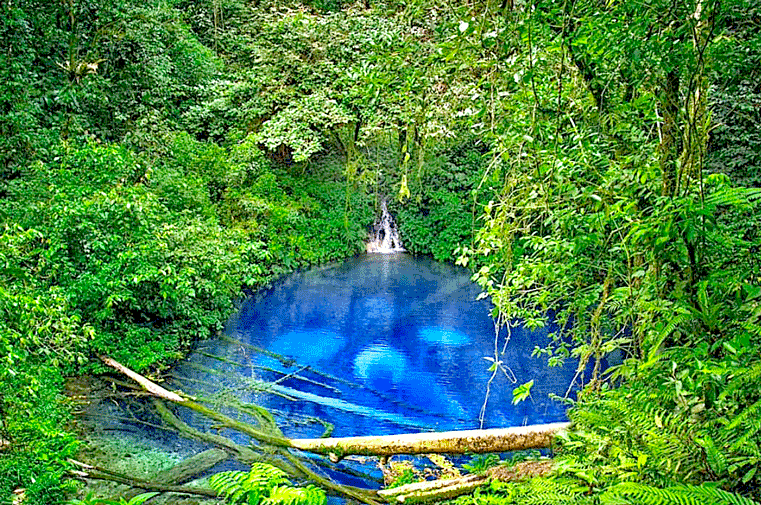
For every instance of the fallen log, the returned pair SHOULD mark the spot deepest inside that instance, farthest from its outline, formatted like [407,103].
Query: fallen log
[274,443]
[449,442]
[435,490]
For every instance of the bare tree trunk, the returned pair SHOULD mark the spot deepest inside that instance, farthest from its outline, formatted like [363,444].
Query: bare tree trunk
[272,446]
[436,490]
[448,442]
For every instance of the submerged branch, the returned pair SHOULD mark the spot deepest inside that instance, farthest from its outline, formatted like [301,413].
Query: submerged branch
[274,446]
[86,471]
[153,388]
[241,453]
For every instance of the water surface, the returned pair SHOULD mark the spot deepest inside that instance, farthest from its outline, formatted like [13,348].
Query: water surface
[378,344]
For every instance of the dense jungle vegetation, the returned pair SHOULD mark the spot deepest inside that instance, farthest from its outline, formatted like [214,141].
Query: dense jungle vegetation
[594,162]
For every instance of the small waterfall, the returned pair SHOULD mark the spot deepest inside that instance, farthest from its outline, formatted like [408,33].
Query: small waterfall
[385,236]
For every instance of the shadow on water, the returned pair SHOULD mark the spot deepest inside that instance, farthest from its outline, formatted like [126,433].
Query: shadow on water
[378,344]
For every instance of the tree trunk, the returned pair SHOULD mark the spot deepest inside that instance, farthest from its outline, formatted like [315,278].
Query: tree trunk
[272,446]
[670,132]
[436,490]
[449,442]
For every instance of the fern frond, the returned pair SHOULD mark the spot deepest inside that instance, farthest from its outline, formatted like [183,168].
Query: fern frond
[738,197]
[250,486]
[743,377]
[748,414]
[640,494]
[229,484]
[716,459]
[287,495]
[540,491]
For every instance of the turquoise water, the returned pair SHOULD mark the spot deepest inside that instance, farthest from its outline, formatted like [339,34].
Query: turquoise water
[378,344]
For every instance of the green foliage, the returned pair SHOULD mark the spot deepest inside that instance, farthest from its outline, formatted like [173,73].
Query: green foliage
[438,218]
[301,127]
[630,493]
[136,500]
[522,392]
[264,484]
[403,475]
[156,159]
[479,463]
[561,491]
[608,223]
[538,491]
[32,423]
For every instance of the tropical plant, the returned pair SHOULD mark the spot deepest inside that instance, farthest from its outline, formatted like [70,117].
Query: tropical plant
[631,493]
[91,500]
[264,484]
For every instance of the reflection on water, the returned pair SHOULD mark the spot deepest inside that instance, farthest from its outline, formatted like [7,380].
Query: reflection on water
[379,344]
[445,336]
[381,367]
[300,343]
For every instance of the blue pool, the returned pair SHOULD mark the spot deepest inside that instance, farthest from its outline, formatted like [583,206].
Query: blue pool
[378,344]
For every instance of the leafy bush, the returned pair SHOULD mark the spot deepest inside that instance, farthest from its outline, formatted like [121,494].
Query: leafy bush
[438,218]
[33,421]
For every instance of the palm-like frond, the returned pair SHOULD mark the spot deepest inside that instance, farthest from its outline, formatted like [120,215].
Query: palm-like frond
[264,484]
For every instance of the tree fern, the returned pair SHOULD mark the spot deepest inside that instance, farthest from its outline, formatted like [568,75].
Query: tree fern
[264,484]
[631,493]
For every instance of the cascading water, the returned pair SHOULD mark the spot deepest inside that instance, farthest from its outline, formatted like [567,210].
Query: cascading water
[385,238]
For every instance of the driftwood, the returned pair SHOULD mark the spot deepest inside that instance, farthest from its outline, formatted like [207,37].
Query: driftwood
[272,446]
[442,489]
[449,442]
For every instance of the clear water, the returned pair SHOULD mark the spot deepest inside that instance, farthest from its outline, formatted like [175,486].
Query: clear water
[379,344]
